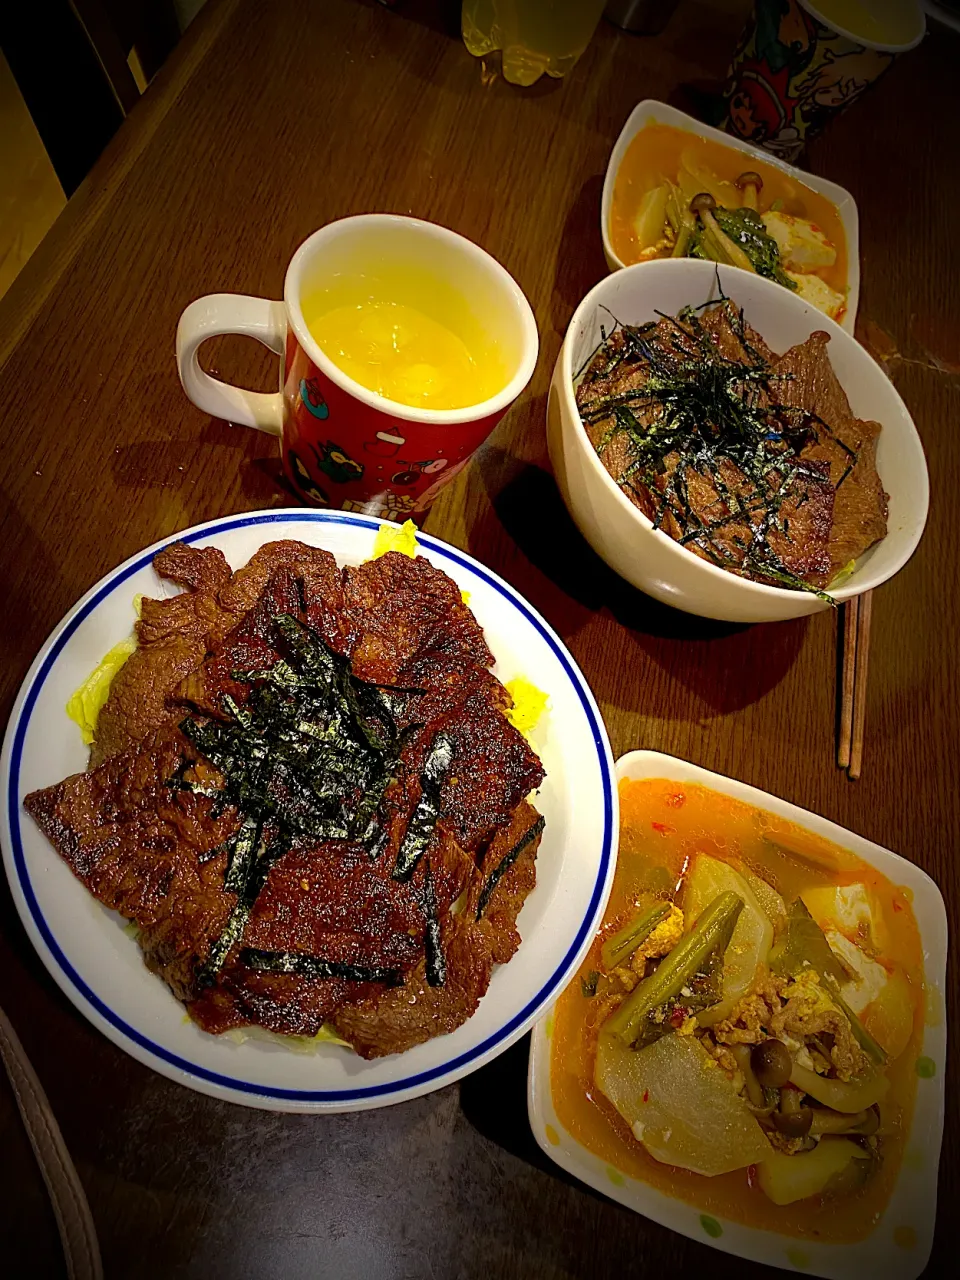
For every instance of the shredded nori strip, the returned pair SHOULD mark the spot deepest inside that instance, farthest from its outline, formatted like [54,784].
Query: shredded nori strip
[423,820]
[308,966]
[308,756]
[366,826]
[704,408]
[506,862]
[436,961]
[231,933]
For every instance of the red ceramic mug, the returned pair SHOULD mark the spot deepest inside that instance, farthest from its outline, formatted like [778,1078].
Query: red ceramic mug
[344,445]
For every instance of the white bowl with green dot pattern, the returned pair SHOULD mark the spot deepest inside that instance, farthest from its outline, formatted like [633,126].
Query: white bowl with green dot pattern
[898,1247]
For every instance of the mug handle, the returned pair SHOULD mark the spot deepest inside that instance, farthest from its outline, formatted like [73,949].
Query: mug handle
[231,313]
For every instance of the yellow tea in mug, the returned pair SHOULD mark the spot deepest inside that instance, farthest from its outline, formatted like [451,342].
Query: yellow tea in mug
[407,337]
[883,21]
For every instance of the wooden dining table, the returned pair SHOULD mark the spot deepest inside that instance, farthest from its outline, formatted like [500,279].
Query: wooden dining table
[270,120]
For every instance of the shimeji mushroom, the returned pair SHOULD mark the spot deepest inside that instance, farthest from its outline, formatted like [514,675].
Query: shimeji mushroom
[751,184]
[792,1118]
[864,1123]
[718,246]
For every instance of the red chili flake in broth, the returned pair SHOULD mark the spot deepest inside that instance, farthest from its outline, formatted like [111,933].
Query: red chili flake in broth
[751,1175]
[646,1095]
[677,801]
[896,905]
[663,828]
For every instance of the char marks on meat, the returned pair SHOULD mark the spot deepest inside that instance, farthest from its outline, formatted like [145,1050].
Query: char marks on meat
[391,1021]
[175,634]
[795,524]
[848,449]
[152,828]
[145,850]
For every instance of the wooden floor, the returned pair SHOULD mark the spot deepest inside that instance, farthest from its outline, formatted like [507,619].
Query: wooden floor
[30,195]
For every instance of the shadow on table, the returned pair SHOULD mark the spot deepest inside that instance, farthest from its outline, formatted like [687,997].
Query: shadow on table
[728,665]
[264,481]
[442,16]
[706,45]
[228,460]
[36,594]
[494,1101]
[580,260]
[14,936]
[532,511]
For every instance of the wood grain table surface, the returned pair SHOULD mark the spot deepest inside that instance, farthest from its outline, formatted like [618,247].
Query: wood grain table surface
[270,120]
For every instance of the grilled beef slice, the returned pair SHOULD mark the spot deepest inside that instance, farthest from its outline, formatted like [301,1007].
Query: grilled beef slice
[176,634]
[391,1021]
[396,608]
[729,513]
[143,850]
[860,504]
[154,852]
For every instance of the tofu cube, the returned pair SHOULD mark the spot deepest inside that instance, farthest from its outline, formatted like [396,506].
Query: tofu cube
[850,909]
[819,294]
[867,978]
[803,246]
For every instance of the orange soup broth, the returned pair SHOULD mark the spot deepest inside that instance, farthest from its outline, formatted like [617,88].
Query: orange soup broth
[655,155]
[663,825]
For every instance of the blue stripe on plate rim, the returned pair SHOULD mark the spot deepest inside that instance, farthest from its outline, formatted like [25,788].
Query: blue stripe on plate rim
[224,525]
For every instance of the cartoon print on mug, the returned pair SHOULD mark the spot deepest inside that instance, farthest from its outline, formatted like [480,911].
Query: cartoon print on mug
[791,74]
[334,461]
[842,75]
[398,507]
[388,506]
[385,444]
[784,43]
[755,108]
[428,495]
[786,37]
[305,482]
[311,397]
[414,470]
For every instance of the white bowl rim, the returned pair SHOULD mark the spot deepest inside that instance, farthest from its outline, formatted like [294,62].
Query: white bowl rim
[857,584]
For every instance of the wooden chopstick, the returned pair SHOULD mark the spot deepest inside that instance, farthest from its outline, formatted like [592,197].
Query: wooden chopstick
[864,614]
[851,614]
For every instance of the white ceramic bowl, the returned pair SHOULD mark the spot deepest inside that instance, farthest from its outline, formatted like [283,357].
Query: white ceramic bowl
[653,112]
[626,539]
[887,1253]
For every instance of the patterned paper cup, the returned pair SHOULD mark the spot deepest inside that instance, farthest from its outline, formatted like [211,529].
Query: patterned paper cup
[798,65]
[343,445]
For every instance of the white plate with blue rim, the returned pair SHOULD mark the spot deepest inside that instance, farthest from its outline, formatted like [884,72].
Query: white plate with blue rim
[99,965]
[899,1245]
